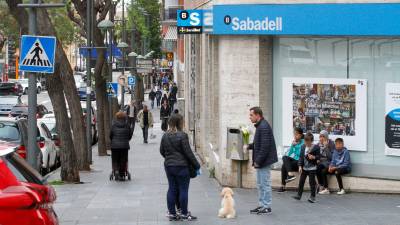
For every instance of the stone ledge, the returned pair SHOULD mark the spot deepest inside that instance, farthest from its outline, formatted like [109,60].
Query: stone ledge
[351,184]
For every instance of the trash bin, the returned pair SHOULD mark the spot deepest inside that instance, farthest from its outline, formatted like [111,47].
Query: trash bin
[235,144]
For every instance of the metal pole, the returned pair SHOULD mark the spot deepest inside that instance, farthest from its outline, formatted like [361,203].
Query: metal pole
[123,55]
[110,70]
[89,80]
[122,86]
[32,100]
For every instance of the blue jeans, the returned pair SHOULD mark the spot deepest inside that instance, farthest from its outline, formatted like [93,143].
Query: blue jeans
[178,188]
[264,187]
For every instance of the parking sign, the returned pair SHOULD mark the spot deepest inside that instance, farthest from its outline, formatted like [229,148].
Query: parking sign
[131,80]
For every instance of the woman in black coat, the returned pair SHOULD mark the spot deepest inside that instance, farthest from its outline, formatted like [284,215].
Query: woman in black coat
[165,112]
[178,157]
[120,135]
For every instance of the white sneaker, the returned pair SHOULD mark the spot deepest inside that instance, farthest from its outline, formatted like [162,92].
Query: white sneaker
[324,192]
[341,192]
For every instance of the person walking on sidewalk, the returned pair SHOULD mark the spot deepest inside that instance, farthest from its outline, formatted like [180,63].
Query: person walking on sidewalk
[158,97]
[120,135]
[178,155]
[309,157]
[172,96]
[132,113]
[164,115]
[146,121]
[264,155]
[152,97]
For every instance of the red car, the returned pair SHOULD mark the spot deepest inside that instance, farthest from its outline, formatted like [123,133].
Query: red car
[25,199]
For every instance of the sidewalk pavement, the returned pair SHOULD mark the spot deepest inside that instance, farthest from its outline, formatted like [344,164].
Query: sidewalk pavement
[142,201]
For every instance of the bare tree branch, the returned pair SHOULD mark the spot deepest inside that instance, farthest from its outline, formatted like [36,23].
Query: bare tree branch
[20,14]
[77,20]
[103,9]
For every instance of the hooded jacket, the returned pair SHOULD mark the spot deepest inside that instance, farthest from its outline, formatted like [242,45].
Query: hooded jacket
[341,159]
[120,135]
[305,162]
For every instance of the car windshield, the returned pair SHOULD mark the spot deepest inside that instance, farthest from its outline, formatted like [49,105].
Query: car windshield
[51,126]
[9,132]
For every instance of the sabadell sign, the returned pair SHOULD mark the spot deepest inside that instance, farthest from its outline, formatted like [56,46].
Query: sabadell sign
[375,19]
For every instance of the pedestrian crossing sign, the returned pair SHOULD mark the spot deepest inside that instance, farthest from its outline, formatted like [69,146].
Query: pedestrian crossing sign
[37,54]
[112,89]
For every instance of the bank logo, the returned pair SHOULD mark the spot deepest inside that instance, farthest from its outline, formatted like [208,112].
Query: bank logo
[250,24]
[190,21]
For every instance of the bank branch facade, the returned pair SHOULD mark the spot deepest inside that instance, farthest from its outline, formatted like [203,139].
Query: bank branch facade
[331,66]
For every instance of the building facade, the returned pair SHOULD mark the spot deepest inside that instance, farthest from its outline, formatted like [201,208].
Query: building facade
[338,78]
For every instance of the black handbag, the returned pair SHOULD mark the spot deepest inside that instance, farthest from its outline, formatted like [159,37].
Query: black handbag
[192,170]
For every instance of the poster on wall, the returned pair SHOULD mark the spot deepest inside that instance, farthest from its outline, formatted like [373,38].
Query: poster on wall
[392,119]
[338,106]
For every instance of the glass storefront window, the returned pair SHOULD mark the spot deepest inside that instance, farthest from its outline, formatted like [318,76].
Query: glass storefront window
[376,60]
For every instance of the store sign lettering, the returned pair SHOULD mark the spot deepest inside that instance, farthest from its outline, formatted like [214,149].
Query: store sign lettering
[249,24]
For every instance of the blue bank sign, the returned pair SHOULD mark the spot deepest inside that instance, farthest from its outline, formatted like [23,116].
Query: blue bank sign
[308,19]
[189,21]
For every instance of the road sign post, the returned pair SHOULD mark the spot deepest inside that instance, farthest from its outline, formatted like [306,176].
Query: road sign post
[37,59]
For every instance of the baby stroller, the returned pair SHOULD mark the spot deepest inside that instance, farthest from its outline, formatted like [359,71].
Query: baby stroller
[119,172]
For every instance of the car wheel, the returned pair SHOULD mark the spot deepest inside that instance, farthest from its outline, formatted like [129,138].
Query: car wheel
[39,90]
[26,91]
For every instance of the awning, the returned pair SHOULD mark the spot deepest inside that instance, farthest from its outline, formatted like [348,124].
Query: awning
[171,34]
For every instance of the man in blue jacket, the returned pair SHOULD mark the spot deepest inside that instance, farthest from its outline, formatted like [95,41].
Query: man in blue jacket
[264,155]
[340,163]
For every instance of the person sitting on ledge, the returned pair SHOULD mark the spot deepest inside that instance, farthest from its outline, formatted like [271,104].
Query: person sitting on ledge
[291,159]
[340,164]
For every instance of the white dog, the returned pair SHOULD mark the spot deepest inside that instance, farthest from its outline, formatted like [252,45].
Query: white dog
[227,204]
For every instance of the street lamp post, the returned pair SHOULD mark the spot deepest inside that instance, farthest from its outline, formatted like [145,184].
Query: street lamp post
[107,25]
[123,46]
[132,61]
[89,24]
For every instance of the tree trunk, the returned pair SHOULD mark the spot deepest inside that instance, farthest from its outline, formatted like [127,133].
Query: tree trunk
[45,27]
[69,165]
[139,92]
[69,169]
[102,106]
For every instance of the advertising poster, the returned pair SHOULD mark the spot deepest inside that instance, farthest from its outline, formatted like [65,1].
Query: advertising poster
[338,106]
[392,119]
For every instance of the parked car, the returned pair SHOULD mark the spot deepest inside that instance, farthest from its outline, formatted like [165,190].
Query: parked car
[79,81]
[22,110]
[50,121]
[25,198]
[82,94]
[48,149]
[11,88]
[7,103]
[25,84]
[15,131]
